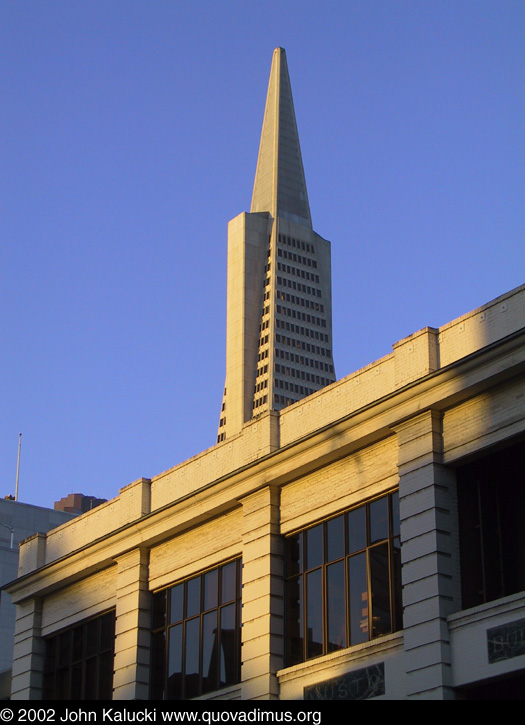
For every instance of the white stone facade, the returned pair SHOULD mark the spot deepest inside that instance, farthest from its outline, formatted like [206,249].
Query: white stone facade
[407,422]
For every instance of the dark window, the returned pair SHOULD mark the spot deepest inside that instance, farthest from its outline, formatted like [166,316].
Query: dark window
[79,661]
[343,580]
[491,503]
[196,642]
[511,687]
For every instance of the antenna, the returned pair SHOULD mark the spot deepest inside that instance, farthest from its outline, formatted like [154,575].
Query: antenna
[12,534]
[18,466]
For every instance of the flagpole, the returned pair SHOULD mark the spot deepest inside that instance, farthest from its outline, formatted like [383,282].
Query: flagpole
[18,466]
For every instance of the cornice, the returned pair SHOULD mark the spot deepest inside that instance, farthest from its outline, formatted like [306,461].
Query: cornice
[439,390]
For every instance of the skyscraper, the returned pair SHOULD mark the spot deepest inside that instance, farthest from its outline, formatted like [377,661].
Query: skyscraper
[279,300]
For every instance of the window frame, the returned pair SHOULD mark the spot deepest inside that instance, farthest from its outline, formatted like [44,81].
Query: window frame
[298,622]
[164,628]
[491,502]
[68,653]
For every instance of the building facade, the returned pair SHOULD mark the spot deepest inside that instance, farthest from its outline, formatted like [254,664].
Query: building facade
[364,541]
[17,522]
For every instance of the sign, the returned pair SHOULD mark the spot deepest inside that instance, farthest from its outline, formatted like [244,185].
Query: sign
[506,641]
[357,685]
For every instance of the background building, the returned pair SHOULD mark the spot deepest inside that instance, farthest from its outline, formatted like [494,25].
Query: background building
[363,541]
[77,503]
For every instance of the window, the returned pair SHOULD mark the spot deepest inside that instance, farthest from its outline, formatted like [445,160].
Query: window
[196,643]
[343,580]
[79,661]
[491,505]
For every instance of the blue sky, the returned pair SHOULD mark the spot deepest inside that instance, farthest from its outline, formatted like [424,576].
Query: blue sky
[130,133]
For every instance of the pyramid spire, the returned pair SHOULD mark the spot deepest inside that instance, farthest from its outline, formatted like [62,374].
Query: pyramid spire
[280,186]
[279,302]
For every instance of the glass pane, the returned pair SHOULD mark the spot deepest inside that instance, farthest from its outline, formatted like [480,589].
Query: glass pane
[49,687]
[293,555]
[229,582]
[191,669]
[210,650]
[356,529]
[78,641]
[380,590]
[491,541]
[92,637]
[294,621]
[105,676]
[50,661]
[159,610]
[394,502]
[314,546]
[64,649]
[379,520]
[91,678]
[335,538]
[76,681]
[211,590]
[176,603]
[175,663]
[228,660]
[158,652]
[470,545]
[107,631]
[62,684]
[335,584]
[358,598]
[193,601]
[314,613]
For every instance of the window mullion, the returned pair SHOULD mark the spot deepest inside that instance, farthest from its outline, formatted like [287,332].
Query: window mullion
[393,613]
[503,588]
[484,595]
[324,594]
[201,637]
[347,596]
[390,580]
[183,658]
[304,600]
[368,573]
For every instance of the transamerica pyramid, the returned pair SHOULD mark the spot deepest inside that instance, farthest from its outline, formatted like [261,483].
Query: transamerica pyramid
[279,297]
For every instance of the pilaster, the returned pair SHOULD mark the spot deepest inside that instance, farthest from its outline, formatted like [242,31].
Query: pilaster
[429,554]
[262,611]
[132,628]
[29,652]
[32,553]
